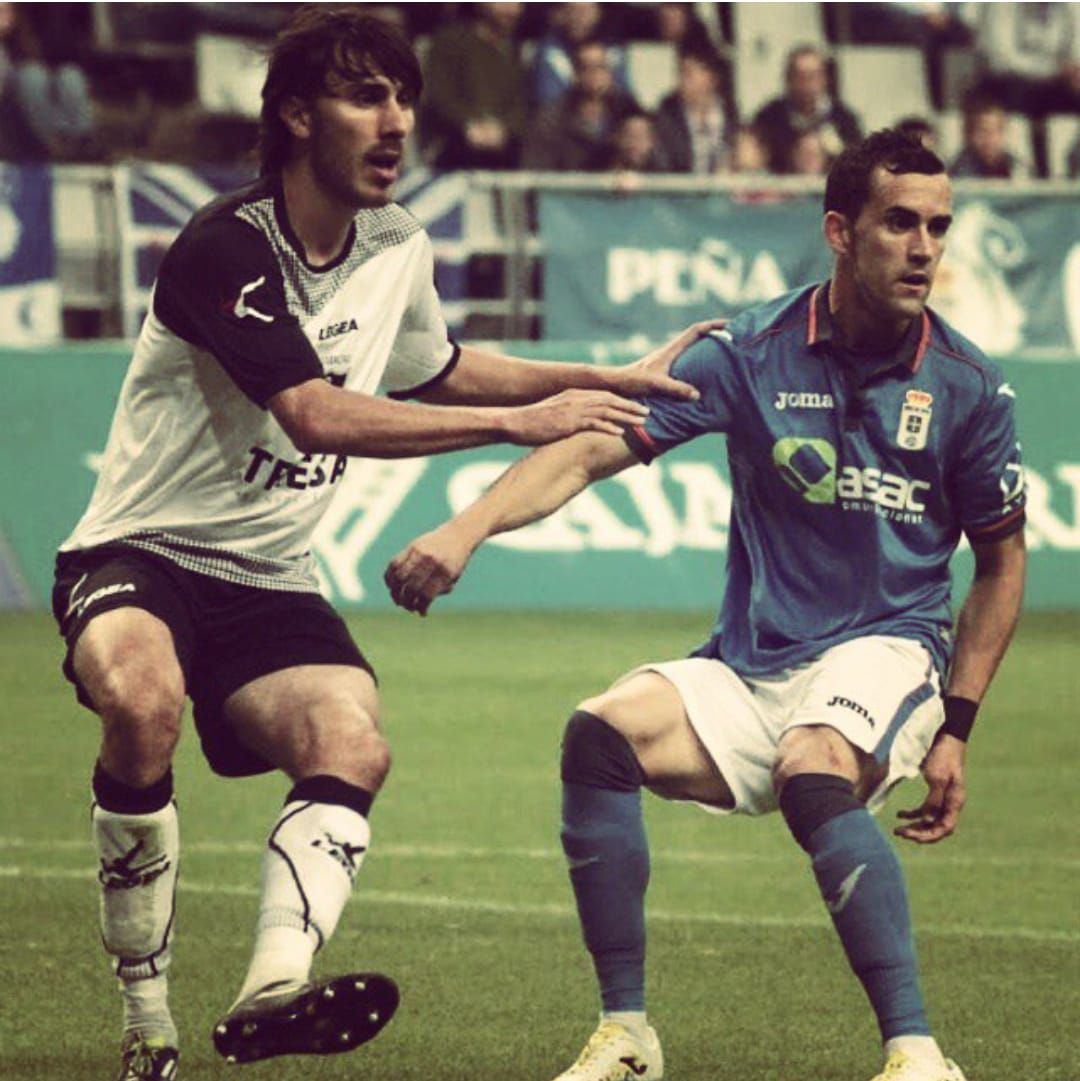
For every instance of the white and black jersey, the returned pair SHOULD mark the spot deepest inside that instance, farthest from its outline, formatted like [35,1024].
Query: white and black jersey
[196,467]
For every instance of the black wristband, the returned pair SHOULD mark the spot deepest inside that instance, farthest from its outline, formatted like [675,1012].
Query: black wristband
[959,717]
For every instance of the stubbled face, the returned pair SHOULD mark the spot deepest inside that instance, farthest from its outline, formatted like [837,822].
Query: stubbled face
[357,140]
[893,251]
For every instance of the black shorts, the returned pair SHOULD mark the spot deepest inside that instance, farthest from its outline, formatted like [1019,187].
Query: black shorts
[225,635]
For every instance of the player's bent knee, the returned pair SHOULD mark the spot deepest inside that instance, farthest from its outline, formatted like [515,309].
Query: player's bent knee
[341,735]
[813,749]
[596,754]
[138,701]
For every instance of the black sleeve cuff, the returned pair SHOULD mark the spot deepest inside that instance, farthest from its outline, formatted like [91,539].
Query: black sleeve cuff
[434,381]
[1001,529]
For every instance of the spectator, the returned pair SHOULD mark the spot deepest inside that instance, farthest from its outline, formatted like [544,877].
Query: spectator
[474,102]
[694,123]
[574,133]
[807,156]
[552,70]
[749,155]
[633,144]
[45,110]
[986,154]
[680,26]
[806,105]
[1030,55]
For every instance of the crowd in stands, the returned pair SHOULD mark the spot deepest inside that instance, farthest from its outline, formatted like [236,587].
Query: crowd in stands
[547,86]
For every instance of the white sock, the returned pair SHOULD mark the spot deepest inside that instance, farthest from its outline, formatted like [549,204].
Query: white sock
[634,1021]
[146,1009]
[312,856]
[924,1048]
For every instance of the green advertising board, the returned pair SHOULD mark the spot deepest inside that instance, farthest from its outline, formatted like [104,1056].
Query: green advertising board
[652,537]
[616,266]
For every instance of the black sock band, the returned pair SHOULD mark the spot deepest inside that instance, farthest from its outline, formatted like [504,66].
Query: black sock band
[593,753]
[809,800]
[326,789]
[119,798]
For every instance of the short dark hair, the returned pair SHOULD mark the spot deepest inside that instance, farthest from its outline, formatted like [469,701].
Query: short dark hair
[847,188]
[918,126]
[324,44]
[703,53]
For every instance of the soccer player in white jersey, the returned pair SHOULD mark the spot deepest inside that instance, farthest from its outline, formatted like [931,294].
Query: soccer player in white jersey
[864,436]
[278,314]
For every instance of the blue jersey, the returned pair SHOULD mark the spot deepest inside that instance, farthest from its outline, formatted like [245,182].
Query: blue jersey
[853,477]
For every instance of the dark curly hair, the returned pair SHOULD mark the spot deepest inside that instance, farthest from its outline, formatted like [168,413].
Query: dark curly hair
[847,189]
[321,47]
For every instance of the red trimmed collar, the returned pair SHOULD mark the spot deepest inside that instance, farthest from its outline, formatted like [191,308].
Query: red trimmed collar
[820,329]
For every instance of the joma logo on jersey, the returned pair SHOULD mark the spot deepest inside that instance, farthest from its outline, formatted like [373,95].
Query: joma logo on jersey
[846,703]
[802,399]
[309,472]
[335,330]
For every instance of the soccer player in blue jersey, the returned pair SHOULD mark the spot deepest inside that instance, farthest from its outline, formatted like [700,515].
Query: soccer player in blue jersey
[865,437]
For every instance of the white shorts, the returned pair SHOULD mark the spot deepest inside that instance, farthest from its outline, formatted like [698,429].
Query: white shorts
[882,694]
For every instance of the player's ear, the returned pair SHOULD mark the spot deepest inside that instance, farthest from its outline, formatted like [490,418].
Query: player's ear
[295,114]
[837,230]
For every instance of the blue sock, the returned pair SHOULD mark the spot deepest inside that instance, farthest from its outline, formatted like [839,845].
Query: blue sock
[862,883]
[603,836]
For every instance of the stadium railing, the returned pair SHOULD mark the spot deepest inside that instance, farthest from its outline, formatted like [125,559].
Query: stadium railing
[500,229]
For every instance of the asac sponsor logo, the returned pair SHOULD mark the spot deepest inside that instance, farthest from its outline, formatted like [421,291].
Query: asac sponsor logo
[810,467]
[888,490]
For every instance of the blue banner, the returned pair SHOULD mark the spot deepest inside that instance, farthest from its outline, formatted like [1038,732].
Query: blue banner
[29,289]
[626,265]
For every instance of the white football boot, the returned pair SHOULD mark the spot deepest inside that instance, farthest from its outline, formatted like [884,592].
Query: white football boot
[613,1053]
[901,1066]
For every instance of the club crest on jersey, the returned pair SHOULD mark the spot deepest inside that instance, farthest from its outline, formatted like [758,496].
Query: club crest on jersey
[915,416]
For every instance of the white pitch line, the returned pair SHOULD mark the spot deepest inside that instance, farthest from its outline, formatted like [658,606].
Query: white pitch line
[478,852]
[514,908]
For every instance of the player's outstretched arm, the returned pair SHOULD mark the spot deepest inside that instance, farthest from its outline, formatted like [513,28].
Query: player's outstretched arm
[986,624]
[529,490]
[482,378]
[323,419]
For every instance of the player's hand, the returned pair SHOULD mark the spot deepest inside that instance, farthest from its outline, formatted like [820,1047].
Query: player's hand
[572,411]
[652,373]
[428,567]
[936,818]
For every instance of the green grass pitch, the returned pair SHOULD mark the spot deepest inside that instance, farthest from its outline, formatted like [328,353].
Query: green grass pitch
[464,901]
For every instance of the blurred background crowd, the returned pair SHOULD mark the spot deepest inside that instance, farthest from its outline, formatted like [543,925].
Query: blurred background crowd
[702,88]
